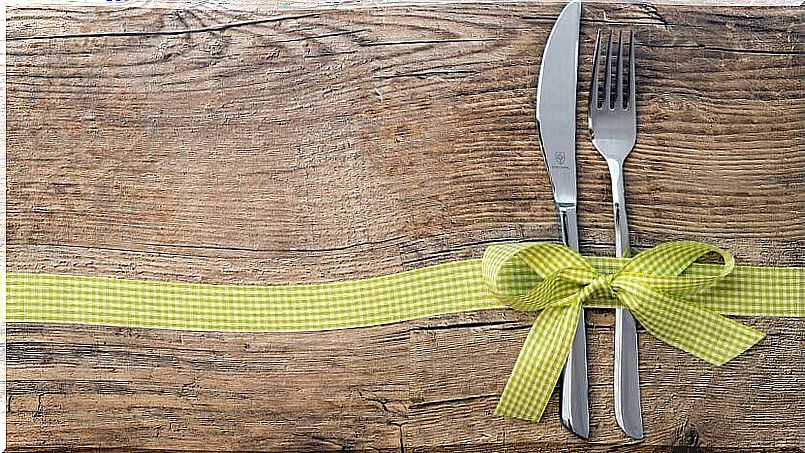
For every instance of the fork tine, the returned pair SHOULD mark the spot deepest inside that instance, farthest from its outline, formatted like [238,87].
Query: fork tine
[596,75]
[608,74]
[619,77]
[632,90]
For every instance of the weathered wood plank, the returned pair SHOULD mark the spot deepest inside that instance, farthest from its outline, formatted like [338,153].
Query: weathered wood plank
[281,136]
[274,6]
[222,146]
[592,448]
[428,384]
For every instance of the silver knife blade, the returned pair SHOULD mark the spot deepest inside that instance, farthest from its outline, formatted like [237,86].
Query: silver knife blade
[556,115]
[556,103]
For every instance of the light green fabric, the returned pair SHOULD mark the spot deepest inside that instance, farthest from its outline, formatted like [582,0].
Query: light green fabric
[677,301]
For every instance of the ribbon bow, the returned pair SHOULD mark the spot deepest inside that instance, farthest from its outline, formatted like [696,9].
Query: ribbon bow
[652,285]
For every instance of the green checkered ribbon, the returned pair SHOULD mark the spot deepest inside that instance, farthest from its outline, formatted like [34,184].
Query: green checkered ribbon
[677,300]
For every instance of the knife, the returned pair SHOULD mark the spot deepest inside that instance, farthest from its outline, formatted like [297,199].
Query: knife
[556,116]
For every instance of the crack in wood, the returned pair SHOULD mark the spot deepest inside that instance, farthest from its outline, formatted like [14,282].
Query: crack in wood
[449,401]
[402,440]
[511,325]
[425,41]
[39,413]
[725,49]
[425,74]
[213,28]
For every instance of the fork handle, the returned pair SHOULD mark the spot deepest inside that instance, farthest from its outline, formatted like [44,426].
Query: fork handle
[622,249]
[628,412]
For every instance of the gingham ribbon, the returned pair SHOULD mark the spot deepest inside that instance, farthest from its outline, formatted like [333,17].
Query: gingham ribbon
[676,300]
[650,286]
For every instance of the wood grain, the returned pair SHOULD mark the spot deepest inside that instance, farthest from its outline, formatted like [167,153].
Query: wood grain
[274,6]
[367,388]
[226,146]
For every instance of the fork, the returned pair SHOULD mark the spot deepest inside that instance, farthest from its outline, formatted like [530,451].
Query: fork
[613,129]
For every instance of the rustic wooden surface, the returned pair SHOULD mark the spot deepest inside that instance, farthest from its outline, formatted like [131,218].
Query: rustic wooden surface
[278,5]
[225,146]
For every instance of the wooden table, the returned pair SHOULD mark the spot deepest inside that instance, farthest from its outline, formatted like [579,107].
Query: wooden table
[296,145]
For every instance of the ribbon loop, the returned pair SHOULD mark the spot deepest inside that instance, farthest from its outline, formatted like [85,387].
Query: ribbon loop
[673,258]
[534,276]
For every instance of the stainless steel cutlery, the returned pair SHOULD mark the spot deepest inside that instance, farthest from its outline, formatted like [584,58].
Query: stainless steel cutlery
[612,121]
[556,115]
[613,129]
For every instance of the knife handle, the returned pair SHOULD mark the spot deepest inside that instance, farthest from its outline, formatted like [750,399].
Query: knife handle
[568,225]
[574,406]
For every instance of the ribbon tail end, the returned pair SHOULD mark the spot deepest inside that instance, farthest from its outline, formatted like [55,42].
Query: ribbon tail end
[752,337]
[531,417]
